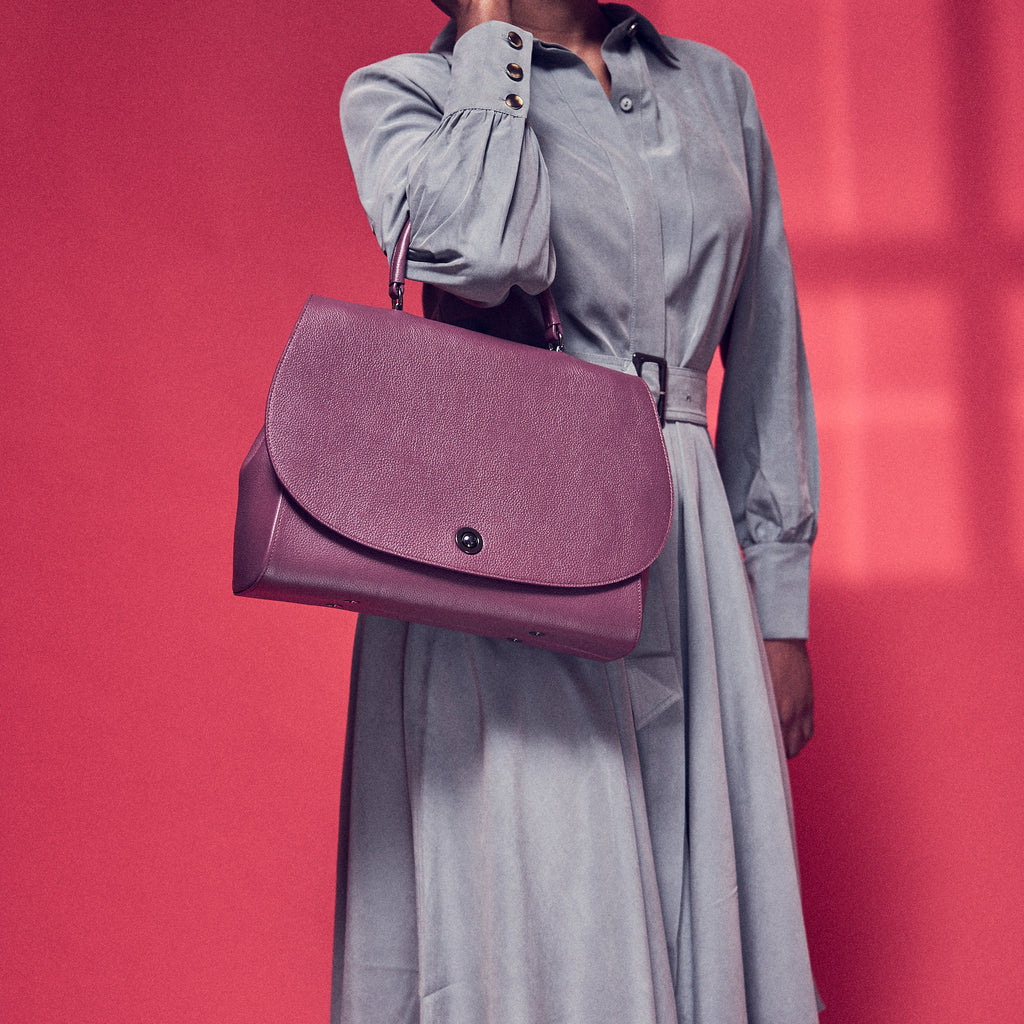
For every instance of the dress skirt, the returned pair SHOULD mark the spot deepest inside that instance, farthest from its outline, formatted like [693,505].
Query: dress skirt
[532,838]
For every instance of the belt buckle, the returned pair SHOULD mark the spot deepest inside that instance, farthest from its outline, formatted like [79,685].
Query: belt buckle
[640,360]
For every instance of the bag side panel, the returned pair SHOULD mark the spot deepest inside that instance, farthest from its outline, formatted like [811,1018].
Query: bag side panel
[260,501]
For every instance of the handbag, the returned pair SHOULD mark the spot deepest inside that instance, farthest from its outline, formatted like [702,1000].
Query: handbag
[415,470]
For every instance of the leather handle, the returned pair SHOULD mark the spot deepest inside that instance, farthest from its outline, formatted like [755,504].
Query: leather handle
[399,259]
[552,321]
[396,289]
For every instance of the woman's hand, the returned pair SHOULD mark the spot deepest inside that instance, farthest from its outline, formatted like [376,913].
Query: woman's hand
[470,13]
[790,669]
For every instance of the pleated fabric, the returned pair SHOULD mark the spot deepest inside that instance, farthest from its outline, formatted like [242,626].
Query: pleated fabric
[523,840]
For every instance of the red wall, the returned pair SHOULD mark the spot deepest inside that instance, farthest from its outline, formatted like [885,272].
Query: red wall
[174,186]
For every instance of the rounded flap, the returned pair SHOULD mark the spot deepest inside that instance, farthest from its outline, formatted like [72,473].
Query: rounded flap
[467,452]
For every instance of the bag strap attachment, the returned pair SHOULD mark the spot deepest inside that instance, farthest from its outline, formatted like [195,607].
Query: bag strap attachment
[396,290]
[399,258]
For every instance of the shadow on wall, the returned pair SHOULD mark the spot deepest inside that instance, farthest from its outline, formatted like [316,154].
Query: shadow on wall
[911,267]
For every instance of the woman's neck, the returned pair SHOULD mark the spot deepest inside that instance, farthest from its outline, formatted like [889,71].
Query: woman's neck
[578,25]
[574,24]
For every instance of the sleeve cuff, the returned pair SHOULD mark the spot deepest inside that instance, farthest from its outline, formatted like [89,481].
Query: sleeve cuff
[491,70]
[779,577]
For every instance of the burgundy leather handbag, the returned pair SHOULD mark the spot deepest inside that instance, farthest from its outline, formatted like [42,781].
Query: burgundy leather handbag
[424,472]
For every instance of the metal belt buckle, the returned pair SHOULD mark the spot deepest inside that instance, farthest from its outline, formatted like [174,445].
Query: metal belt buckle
[640,360]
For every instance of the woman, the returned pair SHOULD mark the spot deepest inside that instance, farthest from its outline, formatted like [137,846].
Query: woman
[528,837]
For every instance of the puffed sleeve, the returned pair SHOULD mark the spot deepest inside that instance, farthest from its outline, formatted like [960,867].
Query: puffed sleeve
[444,147]
[766,440]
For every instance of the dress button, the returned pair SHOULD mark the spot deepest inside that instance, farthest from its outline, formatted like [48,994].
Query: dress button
[625,104]
[515,40]
[631,31]
[514,71]
[514,101]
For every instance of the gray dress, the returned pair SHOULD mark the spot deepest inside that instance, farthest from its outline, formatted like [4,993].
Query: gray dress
[529,838]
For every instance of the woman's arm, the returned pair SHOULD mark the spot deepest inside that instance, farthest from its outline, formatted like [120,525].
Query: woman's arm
[450,148]
[766,441]
[790,668]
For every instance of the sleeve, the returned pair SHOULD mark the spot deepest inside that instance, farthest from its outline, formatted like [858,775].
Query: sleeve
[454,152]
[766,441]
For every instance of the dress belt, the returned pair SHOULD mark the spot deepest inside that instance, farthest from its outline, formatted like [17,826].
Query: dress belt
[686,390]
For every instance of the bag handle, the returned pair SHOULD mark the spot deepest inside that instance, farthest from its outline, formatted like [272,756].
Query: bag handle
[396,289]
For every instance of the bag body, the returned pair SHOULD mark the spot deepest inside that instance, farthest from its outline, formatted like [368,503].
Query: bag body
[419,471]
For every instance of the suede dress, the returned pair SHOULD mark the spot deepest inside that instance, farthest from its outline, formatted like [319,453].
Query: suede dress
[533,838]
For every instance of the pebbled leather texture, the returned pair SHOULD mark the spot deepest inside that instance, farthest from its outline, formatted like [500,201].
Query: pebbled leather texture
[386,435]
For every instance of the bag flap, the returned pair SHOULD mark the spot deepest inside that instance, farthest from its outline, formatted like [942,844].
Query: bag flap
[403,434]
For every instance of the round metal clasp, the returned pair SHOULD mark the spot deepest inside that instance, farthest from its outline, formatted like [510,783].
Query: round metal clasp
[469,540]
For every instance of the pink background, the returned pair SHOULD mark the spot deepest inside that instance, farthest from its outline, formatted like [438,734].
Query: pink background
[174,186]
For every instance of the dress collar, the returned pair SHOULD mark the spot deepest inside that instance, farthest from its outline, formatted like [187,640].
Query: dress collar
[629,24]
[626,24]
